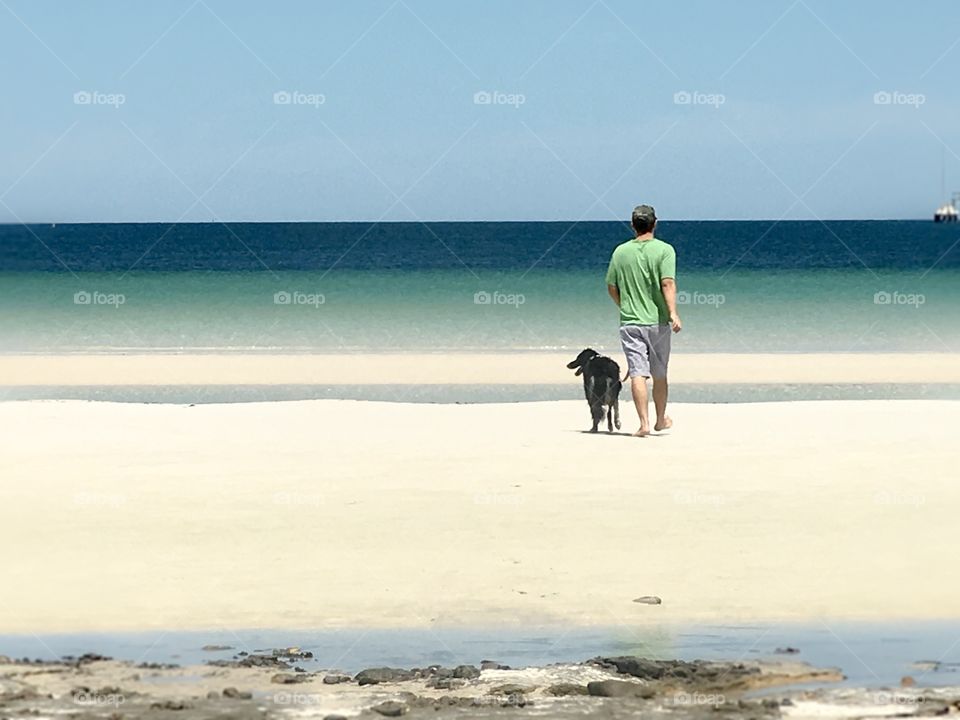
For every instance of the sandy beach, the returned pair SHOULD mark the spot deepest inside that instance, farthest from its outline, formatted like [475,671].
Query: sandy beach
[342,513]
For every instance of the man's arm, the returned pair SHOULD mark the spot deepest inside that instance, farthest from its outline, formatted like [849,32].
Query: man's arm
[669,288]
[614,293]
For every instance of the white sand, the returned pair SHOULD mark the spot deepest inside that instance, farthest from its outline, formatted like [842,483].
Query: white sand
[462,368]
[330,513]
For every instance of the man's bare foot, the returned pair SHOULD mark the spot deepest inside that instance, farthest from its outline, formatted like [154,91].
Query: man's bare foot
[642,432]
[665,424]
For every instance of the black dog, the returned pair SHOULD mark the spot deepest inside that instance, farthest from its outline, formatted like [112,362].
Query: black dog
[601,385]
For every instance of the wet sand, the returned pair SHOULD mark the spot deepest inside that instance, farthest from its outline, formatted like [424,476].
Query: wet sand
[462,368]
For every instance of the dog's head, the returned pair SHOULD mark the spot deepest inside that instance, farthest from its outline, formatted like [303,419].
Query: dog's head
[582,359]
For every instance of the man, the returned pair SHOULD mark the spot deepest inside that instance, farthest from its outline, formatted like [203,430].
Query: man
[641,281]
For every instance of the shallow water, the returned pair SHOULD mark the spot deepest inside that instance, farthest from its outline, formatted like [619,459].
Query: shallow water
[869,654]
[484,393]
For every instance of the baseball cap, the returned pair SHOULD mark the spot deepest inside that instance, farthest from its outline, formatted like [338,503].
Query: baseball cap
[644,213]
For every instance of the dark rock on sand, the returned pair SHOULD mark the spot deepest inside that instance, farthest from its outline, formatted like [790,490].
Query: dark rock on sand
[334,717]
[391,708]
[171,705]
[336,679]
[648,600]
[215,648]
[493,665]
[618,688]
[466,672]
[375,676]
[213,695]
[511,689]
[290,678]
[565,689]
[694,673]
[787,651]
[446,683]
[233,693]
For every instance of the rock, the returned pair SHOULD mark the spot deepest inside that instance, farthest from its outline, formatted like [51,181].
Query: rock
[290,678]
[334,717]
[493,665]
[466,672]
[215,648]
[232,692]
[213,695]
[648,600]
[511,689]
[446,683]
[263,661]
[618,688]
[697,672]
[565,689]
[390,708]
[907,681]
[335,679]
[4,660]
[787,651]
[171,705]
[375,676]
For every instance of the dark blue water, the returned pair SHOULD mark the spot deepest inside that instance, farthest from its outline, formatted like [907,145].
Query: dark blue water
[718,246]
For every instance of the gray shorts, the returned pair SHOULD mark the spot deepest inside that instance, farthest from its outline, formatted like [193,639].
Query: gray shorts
[647,348]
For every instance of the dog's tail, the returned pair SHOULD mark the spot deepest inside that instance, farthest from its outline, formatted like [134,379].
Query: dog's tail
[626,376]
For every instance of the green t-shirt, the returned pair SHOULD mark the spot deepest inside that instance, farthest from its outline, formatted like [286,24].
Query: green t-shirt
[636,268]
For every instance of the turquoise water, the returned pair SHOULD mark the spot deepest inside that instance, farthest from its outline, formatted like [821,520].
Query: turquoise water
[774,310]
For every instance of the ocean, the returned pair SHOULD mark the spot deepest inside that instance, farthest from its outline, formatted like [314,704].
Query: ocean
[745,287]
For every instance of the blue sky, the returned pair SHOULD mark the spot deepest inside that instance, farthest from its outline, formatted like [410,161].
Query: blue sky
[177,110]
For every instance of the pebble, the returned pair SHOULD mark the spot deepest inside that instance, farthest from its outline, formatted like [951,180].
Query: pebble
[335,679]
[648,600]
[390,708]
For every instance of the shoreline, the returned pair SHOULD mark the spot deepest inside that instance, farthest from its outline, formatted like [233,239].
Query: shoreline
[520,368]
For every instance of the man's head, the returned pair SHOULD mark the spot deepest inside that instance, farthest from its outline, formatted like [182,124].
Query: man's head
[644,219]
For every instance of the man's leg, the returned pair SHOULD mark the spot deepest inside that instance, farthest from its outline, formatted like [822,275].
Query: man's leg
[660,392]
[659,338]
[638,386]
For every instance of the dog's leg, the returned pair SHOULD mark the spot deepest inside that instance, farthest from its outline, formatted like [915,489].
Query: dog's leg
[596,412]
[610,419]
